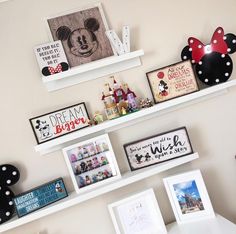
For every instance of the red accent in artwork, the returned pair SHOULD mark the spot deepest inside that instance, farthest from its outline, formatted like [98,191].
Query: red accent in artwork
[160,75]
[68,126]
[53,70]
[217,45]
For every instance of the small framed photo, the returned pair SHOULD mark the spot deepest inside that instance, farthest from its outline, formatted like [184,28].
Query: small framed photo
[91,163]
[60,122]
[137,214]
[188,197]
[82,33]
[158,148]
[172,81]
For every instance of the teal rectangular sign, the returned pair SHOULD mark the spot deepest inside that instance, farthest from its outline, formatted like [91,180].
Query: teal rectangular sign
[39,197]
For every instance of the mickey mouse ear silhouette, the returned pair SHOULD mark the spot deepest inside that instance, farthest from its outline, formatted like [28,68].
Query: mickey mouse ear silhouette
[9,175]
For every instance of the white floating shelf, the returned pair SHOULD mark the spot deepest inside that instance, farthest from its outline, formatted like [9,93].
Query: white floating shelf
[133,118]
[217,225]
[74,199]
[93,70]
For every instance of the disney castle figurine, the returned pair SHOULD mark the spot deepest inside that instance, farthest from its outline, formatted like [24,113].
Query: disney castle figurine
[111,109]
[131,99]
[118,102]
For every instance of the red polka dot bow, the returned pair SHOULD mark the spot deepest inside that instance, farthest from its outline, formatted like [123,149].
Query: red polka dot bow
[53,70]
[217,45]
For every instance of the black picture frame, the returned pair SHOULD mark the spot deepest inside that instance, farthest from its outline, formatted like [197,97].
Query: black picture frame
[35,189]
[165,84]
[130,156]
[49,138]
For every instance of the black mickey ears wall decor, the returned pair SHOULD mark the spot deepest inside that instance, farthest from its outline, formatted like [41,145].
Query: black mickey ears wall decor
[9,175]
[212,62]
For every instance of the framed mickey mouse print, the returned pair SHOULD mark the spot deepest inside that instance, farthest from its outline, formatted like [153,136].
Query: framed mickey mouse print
[172,81]
[82,33]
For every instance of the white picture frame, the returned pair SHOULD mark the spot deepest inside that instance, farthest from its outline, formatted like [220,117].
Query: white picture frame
[91,163]
[137,214]
[74,21]
[188,197]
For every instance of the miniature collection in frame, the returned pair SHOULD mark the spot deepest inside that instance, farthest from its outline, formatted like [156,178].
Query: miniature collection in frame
[188,197]
[91,163]
[60,122]
[159,148]
[40,197]
[137,214]
[82,33]
[172,81]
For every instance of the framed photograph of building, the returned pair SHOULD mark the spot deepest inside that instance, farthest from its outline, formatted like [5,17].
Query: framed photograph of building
[158,148]
[137,214]
[188,197]
[82,33]
[172,81]
[91,163]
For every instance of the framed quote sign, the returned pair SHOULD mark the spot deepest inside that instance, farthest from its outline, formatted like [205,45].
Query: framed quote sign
[60,122]
[40,197]
[137,214]
[158,148]
[172,81]
[51,58]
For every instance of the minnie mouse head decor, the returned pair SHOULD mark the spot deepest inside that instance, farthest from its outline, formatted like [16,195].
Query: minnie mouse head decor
[82,34]
[9,175]
[212,61]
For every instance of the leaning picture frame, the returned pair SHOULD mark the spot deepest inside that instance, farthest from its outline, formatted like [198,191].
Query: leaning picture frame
[172,81]
[82,32]
[158,148]
[91,163]
[137,214]
[60,122]
[188,197]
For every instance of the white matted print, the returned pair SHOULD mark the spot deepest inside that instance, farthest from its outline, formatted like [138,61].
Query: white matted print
[137,214]
[188,197]
[91,163]
[82,33]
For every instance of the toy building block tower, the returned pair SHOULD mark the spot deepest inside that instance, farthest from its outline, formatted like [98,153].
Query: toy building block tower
[108,99]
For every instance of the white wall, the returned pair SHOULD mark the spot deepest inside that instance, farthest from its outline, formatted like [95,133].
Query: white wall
[161,28]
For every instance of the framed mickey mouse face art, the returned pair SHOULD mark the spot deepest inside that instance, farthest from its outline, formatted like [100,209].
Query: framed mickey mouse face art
[172,81]
[82,34]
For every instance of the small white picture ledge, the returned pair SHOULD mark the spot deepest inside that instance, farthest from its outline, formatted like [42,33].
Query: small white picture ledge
[93,70]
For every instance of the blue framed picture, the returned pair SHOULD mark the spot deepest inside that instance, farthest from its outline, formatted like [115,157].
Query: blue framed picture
[40,197]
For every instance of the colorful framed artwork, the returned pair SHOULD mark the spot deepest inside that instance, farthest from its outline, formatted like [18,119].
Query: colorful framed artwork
[172,81]
[158,148]
[137,214]
[40,197]
[188,197]
[60,122]
[91,163]
[82,33]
